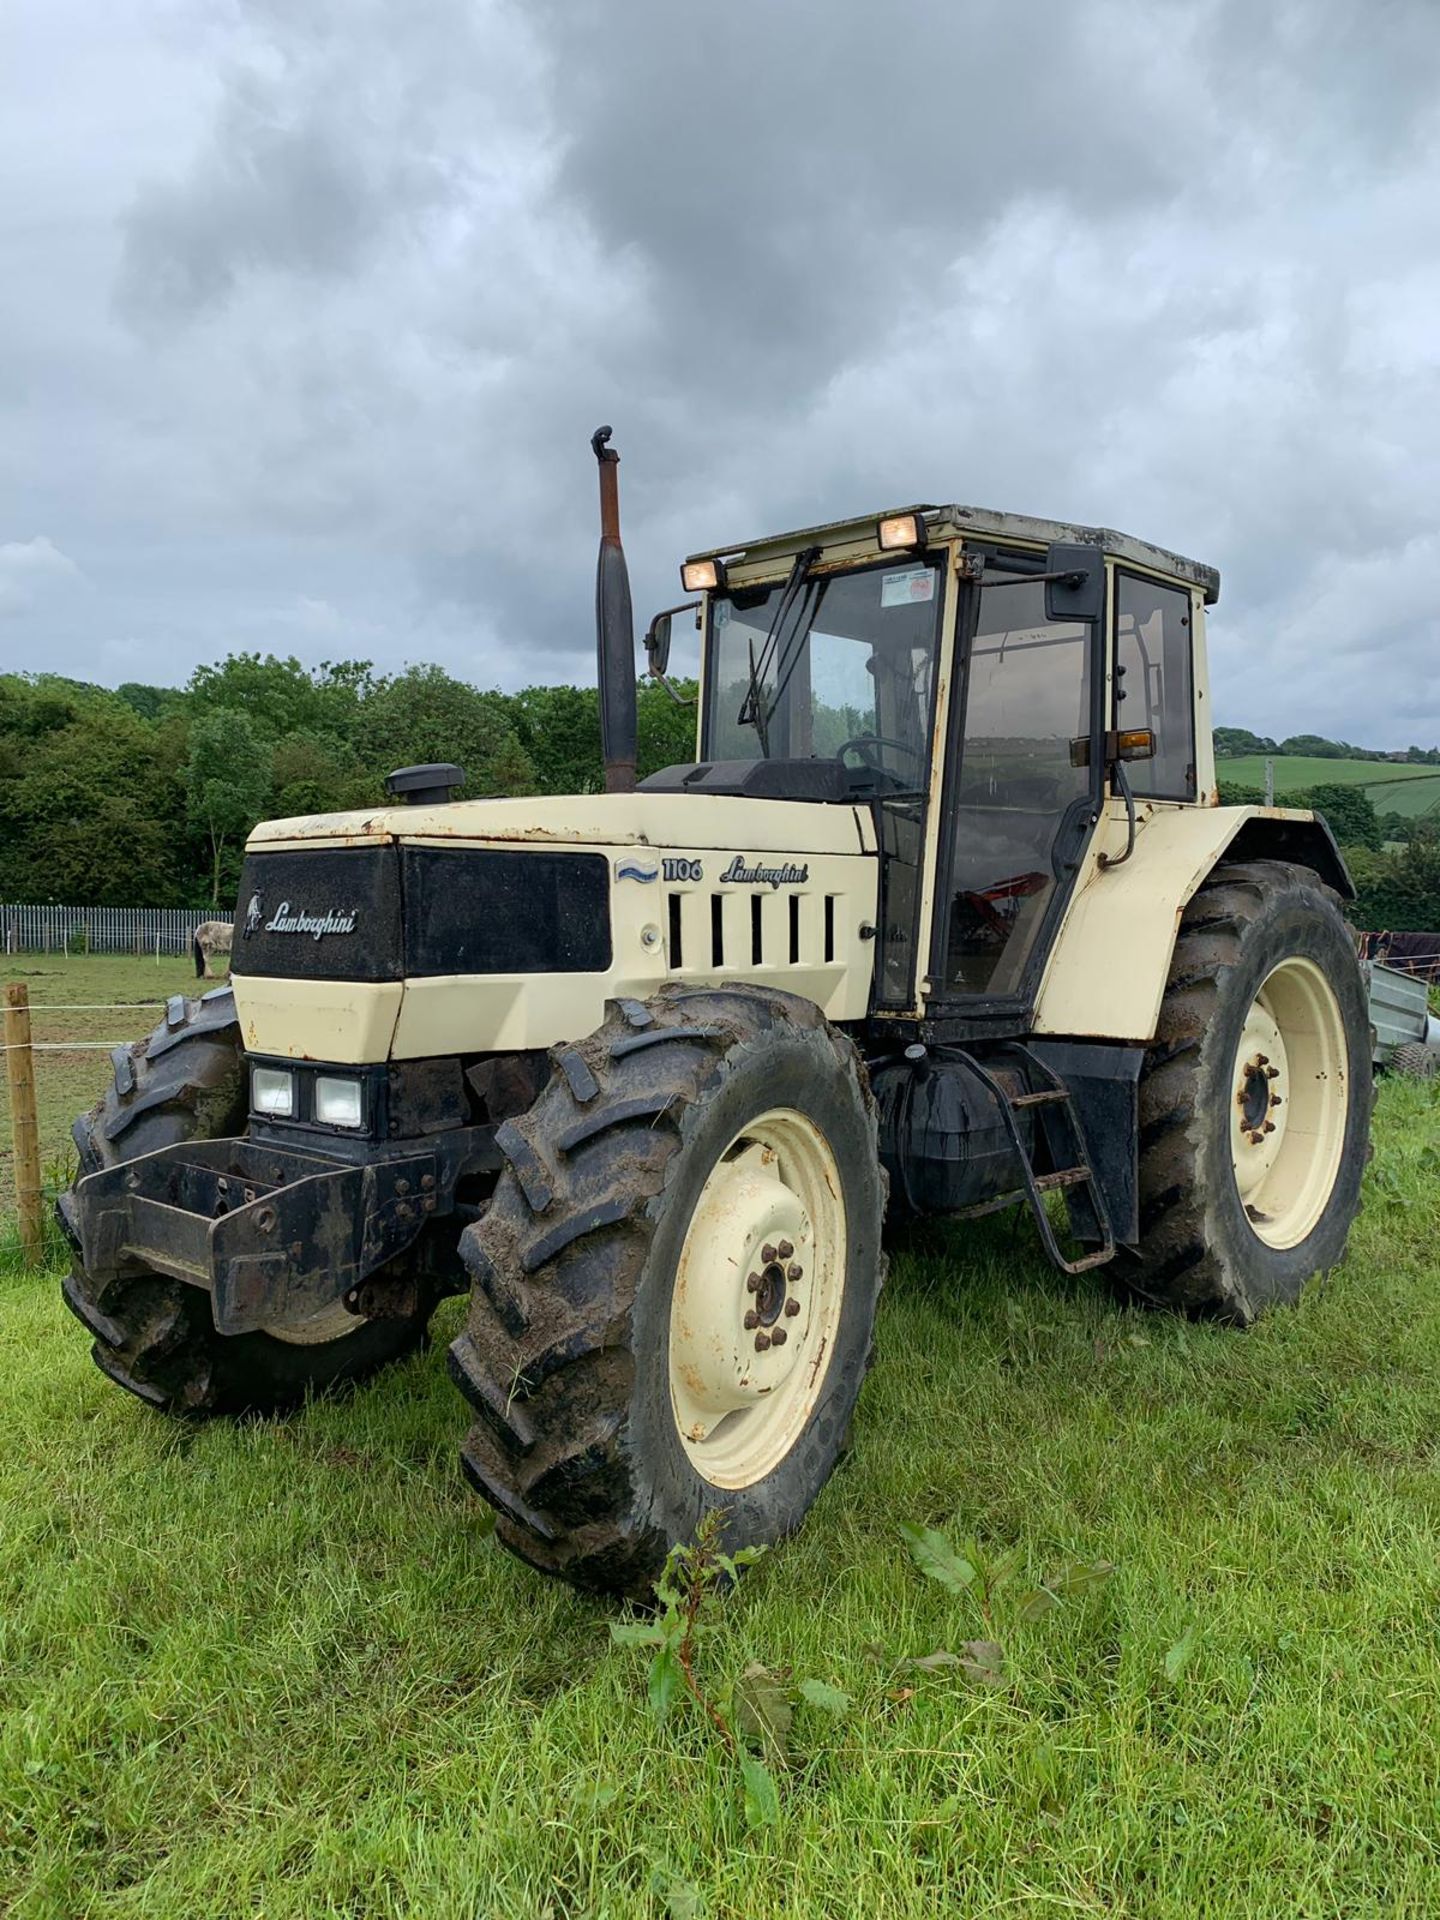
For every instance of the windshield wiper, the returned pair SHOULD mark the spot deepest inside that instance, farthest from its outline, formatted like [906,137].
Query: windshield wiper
[754,712]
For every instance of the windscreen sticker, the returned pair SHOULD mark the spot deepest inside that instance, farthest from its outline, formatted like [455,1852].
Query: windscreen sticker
[722,613]
[904,589]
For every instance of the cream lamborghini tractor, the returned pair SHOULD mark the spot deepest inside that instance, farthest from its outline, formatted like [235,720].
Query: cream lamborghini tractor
[946,907]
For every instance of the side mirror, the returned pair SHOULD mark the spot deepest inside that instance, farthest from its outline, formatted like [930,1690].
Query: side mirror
[1078,593]
[657,645]
[657,638]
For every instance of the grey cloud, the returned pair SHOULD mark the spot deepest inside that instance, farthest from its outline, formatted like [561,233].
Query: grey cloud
[29,569]
[278,191]
[346,318]
[827,163]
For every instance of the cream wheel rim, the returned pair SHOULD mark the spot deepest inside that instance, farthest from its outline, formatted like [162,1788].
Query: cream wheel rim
[1290,1097]
[756,1306]
[330,1323]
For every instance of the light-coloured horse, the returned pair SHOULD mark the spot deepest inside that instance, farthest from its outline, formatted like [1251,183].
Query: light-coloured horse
[211,942]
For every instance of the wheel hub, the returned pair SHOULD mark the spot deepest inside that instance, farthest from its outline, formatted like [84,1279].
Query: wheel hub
[1259,1112]
[770,1287]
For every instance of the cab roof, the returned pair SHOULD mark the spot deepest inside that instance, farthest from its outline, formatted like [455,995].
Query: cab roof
[984,523]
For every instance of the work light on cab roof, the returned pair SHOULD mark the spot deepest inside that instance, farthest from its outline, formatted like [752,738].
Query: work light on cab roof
[703,576]
[900,530]
[943,916]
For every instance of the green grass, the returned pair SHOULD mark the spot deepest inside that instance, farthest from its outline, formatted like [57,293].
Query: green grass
[279,1669]
[1392,787]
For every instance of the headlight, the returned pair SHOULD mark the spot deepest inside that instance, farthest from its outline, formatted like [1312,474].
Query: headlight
[272,1091]
[338,1102]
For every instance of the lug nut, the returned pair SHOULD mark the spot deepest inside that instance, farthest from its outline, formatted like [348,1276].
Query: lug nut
[753,1283]
[762,1342]
[427,1181]
[402,1186]
[1272,1073]
[752,1320]
[767,1253]
[1269,1126]
[784,1250]
[794,1273]
[792,1307]
[1276,1101]
[1255,1139]
[1262,1059]
[779,1337]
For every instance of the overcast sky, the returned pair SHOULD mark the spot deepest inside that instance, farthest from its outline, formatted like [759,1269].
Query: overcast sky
[308,309]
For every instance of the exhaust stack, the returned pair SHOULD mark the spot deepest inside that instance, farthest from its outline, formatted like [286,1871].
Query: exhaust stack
[614,629]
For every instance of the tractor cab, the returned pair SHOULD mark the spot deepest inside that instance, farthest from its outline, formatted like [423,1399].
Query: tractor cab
[982,683]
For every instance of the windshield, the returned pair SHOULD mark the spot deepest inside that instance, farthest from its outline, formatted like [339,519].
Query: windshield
[837,664]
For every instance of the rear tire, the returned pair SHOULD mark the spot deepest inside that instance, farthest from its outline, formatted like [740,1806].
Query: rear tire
[610,1300]
[153,1335]
[1255,1098]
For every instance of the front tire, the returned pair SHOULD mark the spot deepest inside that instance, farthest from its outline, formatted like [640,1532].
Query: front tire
[674,1286]
[155,1336]
[1255,1098]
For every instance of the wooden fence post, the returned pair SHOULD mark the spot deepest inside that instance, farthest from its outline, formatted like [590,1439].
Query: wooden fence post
[21,1062]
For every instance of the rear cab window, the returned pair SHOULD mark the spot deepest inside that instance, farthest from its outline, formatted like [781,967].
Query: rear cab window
[1154,682]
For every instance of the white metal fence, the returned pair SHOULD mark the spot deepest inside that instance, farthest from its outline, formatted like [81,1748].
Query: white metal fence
[31,929]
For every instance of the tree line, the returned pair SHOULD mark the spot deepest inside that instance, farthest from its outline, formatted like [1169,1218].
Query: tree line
[1233,743]
[1394,861]
[142,795]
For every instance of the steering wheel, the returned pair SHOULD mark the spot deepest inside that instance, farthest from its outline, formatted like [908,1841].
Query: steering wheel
[865,747]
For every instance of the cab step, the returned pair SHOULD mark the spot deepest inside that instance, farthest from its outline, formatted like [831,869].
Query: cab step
[1063,1141]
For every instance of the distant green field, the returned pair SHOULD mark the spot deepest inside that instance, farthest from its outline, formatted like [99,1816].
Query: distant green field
[1392,788]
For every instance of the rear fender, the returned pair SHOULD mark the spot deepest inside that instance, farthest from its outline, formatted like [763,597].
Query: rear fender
[1108,969]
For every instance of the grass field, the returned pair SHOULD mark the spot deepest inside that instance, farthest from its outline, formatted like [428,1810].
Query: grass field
[66,1083]
[1393,788]
[278,1669]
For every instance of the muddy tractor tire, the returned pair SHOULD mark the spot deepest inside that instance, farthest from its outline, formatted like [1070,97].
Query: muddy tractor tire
[674,1286]
[1255,1098]
[154,1335]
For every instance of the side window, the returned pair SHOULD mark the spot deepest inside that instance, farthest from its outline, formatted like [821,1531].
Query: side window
[1153,686]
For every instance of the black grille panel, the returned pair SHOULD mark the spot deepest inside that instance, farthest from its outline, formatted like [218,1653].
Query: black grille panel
[487,910]
[336,913]
[286,897]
